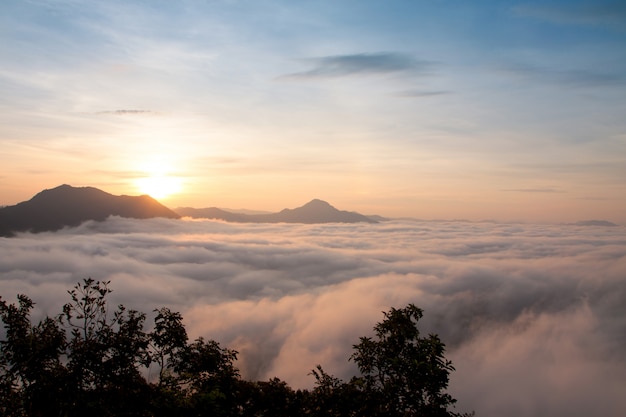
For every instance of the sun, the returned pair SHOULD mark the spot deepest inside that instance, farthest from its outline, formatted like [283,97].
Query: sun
[157,182]
[159,186]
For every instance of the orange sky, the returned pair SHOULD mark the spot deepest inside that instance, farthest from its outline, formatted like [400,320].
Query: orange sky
[492,111]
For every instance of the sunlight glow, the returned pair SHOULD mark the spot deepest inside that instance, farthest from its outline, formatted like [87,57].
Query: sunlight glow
[159,186]
[157,182]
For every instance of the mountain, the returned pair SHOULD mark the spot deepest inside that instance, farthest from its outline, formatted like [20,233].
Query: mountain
[315,211]
[245,211]
[378,218]
[70,206]
[594,223]
[216,213]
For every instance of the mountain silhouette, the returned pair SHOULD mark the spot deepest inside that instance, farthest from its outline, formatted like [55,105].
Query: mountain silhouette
[315,211]
[594,223]
[70,206]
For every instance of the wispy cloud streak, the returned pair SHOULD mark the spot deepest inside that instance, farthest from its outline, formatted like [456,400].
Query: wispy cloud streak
[421,93]
[611,13]
[534,190]
[567,77]
[128,112]
[361,64]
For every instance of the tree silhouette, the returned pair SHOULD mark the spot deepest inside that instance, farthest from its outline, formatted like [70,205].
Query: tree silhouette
[90,360]
[30,365]
[403,373]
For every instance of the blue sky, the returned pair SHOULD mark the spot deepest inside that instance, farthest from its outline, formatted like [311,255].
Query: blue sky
[506,110]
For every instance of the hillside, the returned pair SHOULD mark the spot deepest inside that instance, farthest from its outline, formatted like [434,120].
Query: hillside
[315,211]
[70,206]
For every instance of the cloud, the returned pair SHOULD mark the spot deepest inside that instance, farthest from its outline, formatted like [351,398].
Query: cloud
[534,190]
[534,316]
[361,64]
[561,379]
[128,112]
[421,93]
[567,78]
[611,14]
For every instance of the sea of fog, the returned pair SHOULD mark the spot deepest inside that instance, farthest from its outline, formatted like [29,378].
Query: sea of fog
[533,316]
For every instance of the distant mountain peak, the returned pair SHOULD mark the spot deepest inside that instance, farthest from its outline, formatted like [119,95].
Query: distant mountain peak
[594,223]
[66,189]
[317,203]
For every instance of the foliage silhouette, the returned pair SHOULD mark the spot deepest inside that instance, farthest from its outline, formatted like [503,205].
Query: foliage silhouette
[405,374]
[92,361]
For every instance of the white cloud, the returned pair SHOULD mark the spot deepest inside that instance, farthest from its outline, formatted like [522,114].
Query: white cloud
[533,315]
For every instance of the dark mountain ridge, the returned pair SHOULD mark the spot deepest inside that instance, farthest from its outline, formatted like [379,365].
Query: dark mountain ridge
[65,205]
[315,211]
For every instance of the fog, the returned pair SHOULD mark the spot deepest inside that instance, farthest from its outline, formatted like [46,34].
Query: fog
[533,316]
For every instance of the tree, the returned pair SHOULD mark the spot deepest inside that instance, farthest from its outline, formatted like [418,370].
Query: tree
[207,373]
[104,354]
[273,398]
[403,373]
[90,360]
[30,365]
[332,397]
[167,340]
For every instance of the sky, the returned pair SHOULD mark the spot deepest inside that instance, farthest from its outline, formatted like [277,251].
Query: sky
[434,109]
[533,315]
